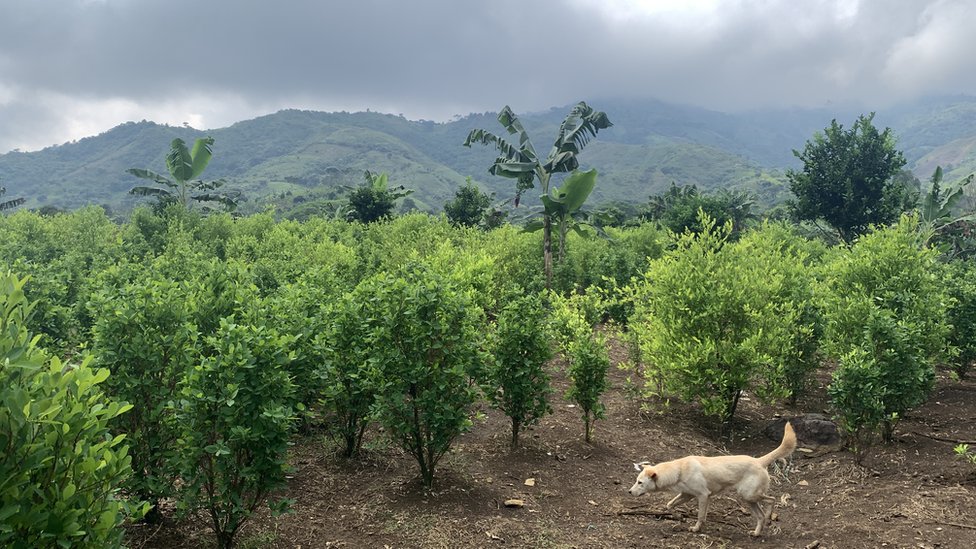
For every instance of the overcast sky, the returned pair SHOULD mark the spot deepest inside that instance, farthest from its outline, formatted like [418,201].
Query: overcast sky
[73,68]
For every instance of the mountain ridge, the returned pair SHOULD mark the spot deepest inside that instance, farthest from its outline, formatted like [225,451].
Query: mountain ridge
[293,155]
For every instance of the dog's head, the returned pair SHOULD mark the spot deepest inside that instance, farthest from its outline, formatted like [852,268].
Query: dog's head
[646,479]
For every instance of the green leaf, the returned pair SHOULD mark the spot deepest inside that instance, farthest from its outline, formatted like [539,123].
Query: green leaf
[200,156]
[575,190]
[179,161]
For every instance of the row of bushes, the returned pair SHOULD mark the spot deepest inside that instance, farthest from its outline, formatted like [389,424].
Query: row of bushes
[228,334]
[713,318]
[221,363]
[65,254]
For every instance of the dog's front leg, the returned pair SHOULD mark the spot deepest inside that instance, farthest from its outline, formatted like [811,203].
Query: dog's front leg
[702,511]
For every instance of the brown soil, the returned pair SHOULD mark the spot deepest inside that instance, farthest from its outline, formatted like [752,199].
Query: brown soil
[912,493]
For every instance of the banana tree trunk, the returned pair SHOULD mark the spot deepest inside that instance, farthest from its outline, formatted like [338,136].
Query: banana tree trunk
[563,229]
[547,248]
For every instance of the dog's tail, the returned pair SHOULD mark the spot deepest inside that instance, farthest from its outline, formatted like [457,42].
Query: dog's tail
[785,448]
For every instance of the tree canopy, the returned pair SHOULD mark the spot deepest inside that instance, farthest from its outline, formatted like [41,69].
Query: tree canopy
[847,179]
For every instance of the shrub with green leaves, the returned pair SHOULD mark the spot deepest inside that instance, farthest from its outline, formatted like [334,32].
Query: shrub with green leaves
[796,326]
[884,308]
[143,334]
[61,467]
[236,417]
[961,283]
[348,391]
[715,318]
[517,380]
[588,366]
[425,351]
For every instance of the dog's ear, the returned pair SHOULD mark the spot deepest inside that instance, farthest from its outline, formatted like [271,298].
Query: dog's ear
[653,474]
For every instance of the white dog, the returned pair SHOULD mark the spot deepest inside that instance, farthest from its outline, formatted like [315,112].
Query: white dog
[700,477]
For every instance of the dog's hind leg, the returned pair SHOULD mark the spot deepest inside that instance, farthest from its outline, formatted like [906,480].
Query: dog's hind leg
[678,500]
[702,511]
[762,517]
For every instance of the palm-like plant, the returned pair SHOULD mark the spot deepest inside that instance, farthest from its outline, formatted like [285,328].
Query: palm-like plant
[9,204]
[185,166]
[523,164]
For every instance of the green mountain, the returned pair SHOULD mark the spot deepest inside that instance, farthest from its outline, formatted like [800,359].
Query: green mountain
[292,157]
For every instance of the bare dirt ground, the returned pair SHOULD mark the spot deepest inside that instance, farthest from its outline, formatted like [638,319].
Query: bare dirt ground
[912,493]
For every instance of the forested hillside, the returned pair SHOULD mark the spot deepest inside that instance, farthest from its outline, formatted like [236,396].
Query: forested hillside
[292,156]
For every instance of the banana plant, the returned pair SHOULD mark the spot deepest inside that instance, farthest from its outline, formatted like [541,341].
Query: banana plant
[937,207]
[185,166]
[522,163]
[9,204]
[561,204]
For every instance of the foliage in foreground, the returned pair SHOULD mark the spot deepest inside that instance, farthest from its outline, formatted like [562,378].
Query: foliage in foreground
[61,467]
[236,417]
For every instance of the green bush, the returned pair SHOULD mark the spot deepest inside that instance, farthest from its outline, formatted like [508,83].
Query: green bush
[517,380]
[885,322]
[961,283]
[236,417]
[144,336]
[425,352]
[588,365]
[715,318]
[788,262]
[61,467]
[344,353]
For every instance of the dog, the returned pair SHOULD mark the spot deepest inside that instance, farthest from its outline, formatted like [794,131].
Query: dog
[700,477]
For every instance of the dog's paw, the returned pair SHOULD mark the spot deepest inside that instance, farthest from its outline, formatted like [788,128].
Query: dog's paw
[695,528]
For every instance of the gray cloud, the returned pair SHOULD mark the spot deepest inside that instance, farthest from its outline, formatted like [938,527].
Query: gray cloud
[75,67]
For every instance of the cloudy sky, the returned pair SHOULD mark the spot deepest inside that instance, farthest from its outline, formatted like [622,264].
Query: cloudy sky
[73,68]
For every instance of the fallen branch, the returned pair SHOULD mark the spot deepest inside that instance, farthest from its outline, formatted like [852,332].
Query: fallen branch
[648,513]
[945,439]
[956,524]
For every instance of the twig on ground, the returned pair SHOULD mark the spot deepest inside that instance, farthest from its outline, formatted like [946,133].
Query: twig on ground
[945,439]
[956,524]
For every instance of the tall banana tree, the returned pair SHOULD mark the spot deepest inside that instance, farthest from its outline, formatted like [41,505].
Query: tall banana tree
[185,166]
[520,162]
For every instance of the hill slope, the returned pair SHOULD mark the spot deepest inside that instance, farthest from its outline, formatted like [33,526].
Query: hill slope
[292,156]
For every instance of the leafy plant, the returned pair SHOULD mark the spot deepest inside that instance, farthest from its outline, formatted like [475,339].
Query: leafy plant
[524,165]
[518,382]
[588,366]
[62,469]
[716,318]
[886,323]
[962,450]
[144,336]
[9,204]
[185,166]
[961,313]
[467,208]
[375,199]
[847,179]
[425,349]
[236,416]
[348,390]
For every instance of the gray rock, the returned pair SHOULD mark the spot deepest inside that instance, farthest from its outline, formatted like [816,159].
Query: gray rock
[814,431]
